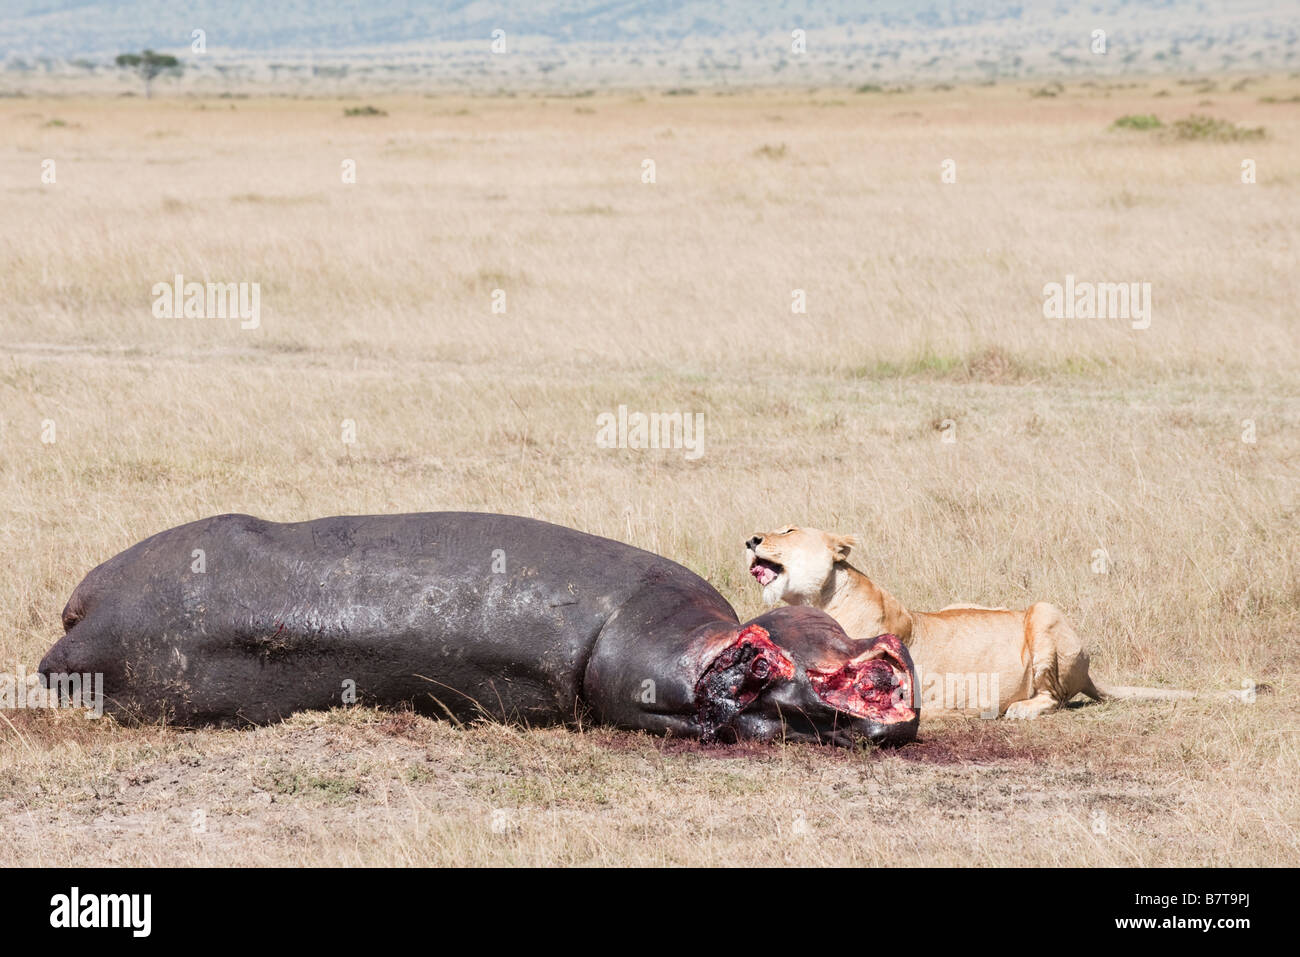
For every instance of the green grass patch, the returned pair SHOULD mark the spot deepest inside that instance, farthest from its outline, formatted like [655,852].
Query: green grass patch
[1137,121]
[992,364]
[1198,127]
[300,783]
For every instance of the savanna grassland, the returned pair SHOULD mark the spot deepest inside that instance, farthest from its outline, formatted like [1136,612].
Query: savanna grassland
[1144,480]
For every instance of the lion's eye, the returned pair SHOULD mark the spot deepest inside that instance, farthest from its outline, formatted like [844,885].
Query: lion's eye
[785,531]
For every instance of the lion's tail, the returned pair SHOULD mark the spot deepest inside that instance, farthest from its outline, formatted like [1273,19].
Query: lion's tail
[1129,693]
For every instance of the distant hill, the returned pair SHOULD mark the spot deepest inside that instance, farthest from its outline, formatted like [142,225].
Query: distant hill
[632,41]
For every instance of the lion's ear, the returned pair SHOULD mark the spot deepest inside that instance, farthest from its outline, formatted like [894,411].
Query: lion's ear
[841,545]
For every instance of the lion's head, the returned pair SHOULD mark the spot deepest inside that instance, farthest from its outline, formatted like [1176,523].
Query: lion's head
[795,564]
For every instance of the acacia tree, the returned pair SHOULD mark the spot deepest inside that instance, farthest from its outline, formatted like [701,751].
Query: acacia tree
[149,64]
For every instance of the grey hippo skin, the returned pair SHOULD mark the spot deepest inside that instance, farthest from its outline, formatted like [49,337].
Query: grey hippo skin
[463,615]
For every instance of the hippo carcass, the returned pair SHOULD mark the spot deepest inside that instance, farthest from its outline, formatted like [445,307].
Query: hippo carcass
[234,620]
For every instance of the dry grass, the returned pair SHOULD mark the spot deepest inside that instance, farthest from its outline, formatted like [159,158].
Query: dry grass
[924,306]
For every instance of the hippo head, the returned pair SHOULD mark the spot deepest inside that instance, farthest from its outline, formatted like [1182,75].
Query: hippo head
[794,674]
[156,665]
[135,685]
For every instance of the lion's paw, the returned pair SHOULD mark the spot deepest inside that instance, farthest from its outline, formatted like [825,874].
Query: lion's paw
[1023,711]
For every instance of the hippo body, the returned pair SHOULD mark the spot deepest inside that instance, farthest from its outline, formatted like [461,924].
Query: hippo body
[234,620]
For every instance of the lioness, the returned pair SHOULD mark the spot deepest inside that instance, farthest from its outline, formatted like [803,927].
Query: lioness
[1024,662]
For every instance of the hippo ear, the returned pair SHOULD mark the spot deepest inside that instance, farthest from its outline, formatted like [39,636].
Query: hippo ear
[841,545]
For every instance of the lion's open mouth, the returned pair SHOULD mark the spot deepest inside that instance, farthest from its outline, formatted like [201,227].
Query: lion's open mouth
[765,572]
